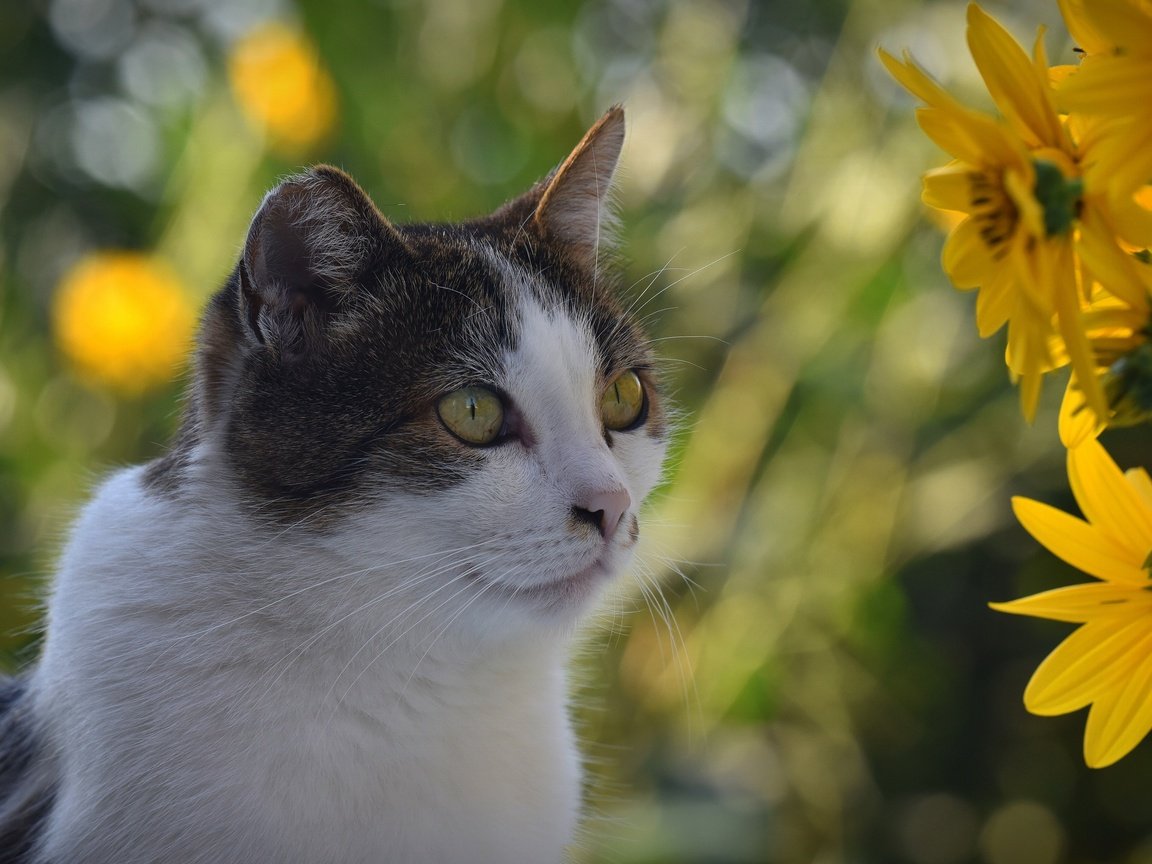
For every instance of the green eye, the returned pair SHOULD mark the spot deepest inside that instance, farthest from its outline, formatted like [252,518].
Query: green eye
[622,402]
[472,414]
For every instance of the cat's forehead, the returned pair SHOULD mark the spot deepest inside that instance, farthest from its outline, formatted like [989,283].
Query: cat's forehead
[471,302]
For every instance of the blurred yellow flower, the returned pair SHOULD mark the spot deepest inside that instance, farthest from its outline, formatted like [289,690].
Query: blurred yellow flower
[124,319]
[1037,204]
[1107,662]
[282,87]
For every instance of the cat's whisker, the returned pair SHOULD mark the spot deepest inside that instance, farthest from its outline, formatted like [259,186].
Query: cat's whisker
[677,643]
[637,304]
[668,361]
[706,338]
[676,566]
[409,609]
[328,580]
[480,309]
[651,316]
[488,584]
[649,605]
[418,579]
[396,639]
[699,269]
[652,276]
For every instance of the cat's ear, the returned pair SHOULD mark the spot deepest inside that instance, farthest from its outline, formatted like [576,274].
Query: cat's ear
[310,243]
[575,208]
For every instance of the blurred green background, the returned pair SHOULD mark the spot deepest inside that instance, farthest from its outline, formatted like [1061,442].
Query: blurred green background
[822,681]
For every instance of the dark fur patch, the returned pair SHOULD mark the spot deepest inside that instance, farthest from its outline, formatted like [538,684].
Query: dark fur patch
[26,793]
[166,475]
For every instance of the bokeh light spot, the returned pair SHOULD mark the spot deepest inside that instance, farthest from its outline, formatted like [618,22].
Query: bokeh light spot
[124,320]
[93,29]
[282,87]
[115,144]
[938,829]
[1022,832]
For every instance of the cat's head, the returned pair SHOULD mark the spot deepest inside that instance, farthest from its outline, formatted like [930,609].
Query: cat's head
[472,401]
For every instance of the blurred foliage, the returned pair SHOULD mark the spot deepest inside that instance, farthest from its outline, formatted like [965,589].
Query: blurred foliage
[826,683]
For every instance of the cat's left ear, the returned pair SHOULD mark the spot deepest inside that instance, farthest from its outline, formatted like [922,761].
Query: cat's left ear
[575,207]
[310,245]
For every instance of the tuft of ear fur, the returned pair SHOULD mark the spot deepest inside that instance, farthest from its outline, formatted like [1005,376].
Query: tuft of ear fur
[311,241]
[574,206]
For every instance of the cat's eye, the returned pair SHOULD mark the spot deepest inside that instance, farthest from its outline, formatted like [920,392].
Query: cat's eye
[473,414]
[623,401]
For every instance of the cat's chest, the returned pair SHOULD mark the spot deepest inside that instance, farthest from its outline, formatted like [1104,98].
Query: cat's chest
[461,783]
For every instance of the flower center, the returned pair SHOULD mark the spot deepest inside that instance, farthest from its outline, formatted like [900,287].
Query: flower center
[993,210]
[1058,195]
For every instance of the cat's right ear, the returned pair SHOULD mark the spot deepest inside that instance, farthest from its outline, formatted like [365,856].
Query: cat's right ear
[312,241]
[574,208]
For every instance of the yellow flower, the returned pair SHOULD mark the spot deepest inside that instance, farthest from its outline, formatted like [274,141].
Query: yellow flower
[279,82]
[1107,661]
[123,319]
[1038,224]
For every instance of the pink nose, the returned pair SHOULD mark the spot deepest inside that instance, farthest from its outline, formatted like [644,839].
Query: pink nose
[605,509]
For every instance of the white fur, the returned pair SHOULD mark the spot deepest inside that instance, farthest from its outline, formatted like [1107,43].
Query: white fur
[218,692]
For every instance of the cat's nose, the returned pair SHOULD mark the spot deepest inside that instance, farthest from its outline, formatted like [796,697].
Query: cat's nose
[605,509]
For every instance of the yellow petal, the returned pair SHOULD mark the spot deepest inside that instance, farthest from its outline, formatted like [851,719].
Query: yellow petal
[1088,38]
[1029,386]
[969,137]
[994,303]
[1079,604]
[1109,502]
[966,258]
[1106,85]
[1107,262]
[1057,75]
[1122,715]
[1084,665]
[1077,422]
[1116,159]
[917,82]
[1123,23]
[1030,328]
[949,188]
[1019,93]
[1072,330]
[1080,544]
[1138,479]
[1131,217]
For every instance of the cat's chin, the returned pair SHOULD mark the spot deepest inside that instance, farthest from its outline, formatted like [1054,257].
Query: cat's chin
[560,597]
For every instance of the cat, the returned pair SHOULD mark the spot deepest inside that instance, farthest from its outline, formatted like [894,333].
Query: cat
[331,623]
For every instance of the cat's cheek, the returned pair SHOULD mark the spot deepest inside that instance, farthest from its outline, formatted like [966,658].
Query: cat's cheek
[641,459]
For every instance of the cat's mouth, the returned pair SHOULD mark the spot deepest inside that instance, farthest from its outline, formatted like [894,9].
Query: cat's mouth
[555,593]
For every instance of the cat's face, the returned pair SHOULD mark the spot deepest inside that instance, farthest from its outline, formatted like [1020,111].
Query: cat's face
[466,408]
